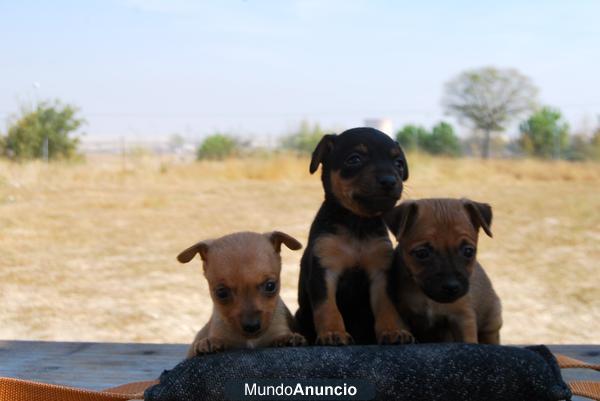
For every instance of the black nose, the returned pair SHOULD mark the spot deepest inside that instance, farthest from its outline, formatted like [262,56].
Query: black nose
[451,287]
[251,327]
[387,181]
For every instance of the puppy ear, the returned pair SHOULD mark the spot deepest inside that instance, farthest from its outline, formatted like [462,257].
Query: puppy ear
[277,238]
[405,171]
[480,214]
[401,218]
[321,151]
[189,253]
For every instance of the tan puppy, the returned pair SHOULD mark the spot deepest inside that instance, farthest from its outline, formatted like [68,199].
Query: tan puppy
[443,293]
[243,270]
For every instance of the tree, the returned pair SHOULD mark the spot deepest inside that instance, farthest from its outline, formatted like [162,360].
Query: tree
[594,150]
[411,137]
[48,130]
[580,148]
[545,134]
[305,139]
[442,141]
[217,147]
[584,146]
[489,99]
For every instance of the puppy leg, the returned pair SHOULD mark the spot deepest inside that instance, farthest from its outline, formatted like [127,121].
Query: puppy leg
[489,329]
[281,332]
[206,346]
[490,337]
[464,326]
[289,340]
[329,323]
[489,325]
[389,327]
[202,334]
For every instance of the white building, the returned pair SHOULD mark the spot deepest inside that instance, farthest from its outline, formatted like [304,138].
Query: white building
[382,124]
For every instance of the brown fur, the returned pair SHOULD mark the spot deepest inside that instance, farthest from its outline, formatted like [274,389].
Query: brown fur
[344,251]
[242,263]
[343,189]
[328,319]
[445,225]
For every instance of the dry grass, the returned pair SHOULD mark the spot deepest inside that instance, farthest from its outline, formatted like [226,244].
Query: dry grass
[88,250]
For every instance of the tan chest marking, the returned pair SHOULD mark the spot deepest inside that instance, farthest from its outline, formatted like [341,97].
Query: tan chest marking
[338,252]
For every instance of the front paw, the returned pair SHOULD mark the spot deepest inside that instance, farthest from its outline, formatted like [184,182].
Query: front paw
[393,337]
[334,338]
[208,346]
[289,340]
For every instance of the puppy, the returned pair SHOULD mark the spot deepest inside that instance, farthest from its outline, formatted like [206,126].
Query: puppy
[443,292]
[243,270]
[343,292]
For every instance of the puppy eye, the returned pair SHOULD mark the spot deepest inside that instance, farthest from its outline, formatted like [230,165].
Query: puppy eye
[399,162]
[222,293]
[468,251]
[270,287]
[421,252]
[353,160]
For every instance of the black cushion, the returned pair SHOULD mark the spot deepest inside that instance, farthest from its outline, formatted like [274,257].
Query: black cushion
[427,372]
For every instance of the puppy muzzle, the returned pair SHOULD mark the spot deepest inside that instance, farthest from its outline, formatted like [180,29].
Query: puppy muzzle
[446,291]
[378,203]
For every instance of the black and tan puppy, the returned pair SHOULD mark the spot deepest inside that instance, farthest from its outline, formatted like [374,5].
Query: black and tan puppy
[443,293]
[343,292]
[242,270]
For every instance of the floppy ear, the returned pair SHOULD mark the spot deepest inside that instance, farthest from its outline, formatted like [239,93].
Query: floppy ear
[401,218]
[277,238]
[405,170]
[480,214]
[321,151]
[189,253]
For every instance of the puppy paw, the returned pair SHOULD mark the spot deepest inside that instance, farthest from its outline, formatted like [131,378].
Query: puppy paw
[393,337]
[208,346]
[334,338]
[289,340]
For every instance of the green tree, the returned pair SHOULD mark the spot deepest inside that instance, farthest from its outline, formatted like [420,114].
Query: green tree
[442,141]
[584,147]
[48,130]
[305,139]
[217,147]
[594,150]
[411,137]
[489,99]
[580,148]
[545,134]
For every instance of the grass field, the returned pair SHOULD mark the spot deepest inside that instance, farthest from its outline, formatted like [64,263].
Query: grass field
[87,251]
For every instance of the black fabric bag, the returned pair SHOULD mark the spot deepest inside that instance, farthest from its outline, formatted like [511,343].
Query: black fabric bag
[420,372]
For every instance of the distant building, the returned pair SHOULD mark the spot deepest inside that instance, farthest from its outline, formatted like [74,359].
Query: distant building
[382,124]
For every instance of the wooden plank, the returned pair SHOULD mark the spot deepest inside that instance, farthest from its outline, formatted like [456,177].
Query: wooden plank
[101,365]
[586,353]
[93,366]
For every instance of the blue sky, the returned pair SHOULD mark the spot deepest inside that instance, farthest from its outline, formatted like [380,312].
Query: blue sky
[149,68]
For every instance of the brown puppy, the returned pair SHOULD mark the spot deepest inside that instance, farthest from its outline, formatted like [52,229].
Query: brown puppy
[243,270]
[443,293]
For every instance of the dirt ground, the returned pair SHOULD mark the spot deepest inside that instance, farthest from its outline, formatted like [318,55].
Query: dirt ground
[87,250]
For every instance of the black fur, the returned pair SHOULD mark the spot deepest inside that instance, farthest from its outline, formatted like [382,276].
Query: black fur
[352,294]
